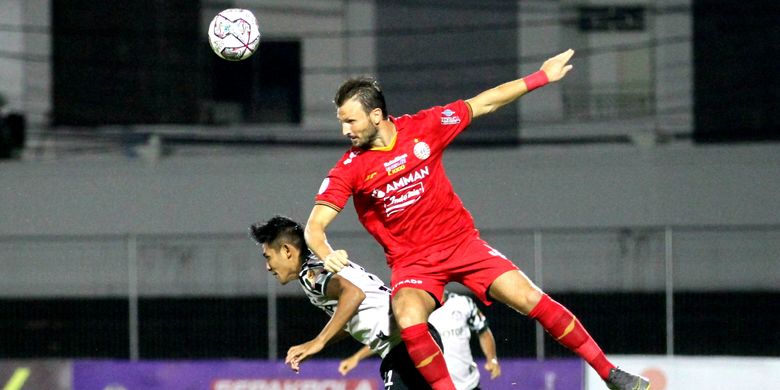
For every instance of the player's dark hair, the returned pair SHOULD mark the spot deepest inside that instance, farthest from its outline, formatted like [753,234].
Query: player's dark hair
[367,91]
[280,230]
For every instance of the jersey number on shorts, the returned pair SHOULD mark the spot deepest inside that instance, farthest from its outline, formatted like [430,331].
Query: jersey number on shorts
[495,252]
[388,379]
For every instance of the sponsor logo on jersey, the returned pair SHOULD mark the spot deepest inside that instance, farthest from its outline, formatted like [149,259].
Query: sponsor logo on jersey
[404,181]
[396,170]
[402,192]
[377,193]
[396,165]
[422,150]
[449,118]
[403,198]
[370,176]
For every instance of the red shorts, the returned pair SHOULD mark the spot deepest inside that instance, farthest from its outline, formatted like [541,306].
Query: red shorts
[472,263]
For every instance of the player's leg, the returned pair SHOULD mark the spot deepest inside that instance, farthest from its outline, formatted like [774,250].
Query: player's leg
[516,290]
[411,308]
[399,372]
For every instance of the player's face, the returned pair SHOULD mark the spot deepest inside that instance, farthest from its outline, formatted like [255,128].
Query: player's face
[280,263]
[358,125]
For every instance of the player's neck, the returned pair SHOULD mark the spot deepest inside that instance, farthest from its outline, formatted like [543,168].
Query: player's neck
[385,135]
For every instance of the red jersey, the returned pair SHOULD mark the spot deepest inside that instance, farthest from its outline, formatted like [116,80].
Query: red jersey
[401,193]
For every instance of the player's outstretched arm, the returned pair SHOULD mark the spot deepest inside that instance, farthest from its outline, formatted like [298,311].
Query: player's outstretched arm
[346,365]
[349,299]
[488,344]
[321,216]
[552,70]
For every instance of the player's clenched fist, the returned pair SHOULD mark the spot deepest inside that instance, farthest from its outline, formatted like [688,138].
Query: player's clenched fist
[336,260]
[347,365]
[297,354]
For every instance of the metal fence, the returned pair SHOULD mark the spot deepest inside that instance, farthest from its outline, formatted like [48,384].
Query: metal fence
[661,260]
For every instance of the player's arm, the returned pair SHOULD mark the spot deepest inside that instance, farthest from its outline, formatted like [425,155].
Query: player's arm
[351,362]
[321,216]
[349,299]
[488,344]
[341,335]
[491,100]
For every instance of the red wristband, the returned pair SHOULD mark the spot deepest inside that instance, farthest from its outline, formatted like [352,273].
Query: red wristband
[535,80]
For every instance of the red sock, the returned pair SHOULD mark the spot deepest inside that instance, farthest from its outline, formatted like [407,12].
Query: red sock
[567,330]
[427,356]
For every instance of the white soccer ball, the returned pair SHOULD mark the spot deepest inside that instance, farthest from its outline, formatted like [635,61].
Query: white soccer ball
[234,34]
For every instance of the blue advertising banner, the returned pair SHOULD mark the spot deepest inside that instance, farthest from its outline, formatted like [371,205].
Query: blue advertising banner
[517,374]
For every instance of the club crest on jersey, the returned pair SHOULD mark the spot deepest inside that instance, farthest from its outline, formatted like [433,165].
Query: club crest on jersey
[422,150]
[449,118]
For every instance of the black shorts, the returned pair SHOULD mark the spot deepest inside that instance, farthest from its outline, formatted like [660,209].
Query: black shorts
[398,371]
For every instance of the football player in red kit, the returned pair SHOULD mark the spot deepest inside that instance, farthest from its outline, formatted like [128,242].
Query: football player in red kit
[403,198]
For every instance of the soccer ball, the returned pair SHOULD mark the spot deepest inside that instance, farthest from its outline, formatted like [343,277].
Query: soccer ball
[234,34]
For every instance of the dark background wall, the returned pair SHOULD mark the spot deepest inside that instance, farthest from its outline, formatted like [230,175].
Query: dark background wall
[429,53]
[736,83]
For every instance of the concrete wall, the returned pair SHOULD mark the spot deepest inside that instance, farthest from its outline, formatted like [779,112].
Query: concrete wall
[600,210]
[594,215]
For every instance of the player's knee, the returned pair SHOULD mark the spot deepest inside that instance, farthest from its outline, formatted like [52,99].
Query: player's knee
[406,318]
[532,297]
[523,300]
[411,307]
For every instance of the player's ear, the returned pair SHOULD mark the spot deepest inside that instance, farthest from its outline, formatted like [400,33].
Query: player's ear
[285,250]
[376,116]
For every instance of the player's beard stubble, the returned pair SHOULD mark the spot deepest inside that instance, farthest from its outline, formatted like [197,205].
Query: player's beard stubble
[366,140]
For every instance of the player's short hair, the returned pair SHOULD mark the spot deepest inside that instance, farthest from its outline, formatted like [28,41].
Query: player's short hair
[367,91]
[279,230]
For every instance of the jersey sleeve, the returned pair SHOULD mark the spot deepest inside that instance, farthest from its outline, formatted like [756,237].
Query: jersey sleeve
[477,321]
[336,188]
[446,122]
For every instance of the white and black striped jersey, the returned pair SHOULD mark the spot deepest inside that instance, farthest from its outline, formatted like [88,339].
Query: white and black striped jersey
[373,324]
[455,320]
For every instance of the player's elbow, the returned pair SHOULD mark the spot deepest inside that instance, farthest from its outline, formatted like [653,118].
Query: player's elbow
[313,231]
[358,295]
[353,293]
[485,109]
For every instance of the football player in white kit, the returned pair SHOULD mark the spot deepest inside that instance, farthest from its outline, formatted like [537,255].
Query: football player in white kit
[455,321]
[357,302]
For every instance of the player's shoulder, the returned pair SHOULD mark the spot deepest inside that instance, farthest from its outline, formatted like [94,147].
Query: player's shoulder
[350,156]
[445,113]
[353,270]
[346,168]
[349,163]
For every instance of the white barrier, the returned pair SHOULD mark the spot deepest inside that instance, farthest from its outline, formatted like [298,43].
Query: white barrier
[711,373]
